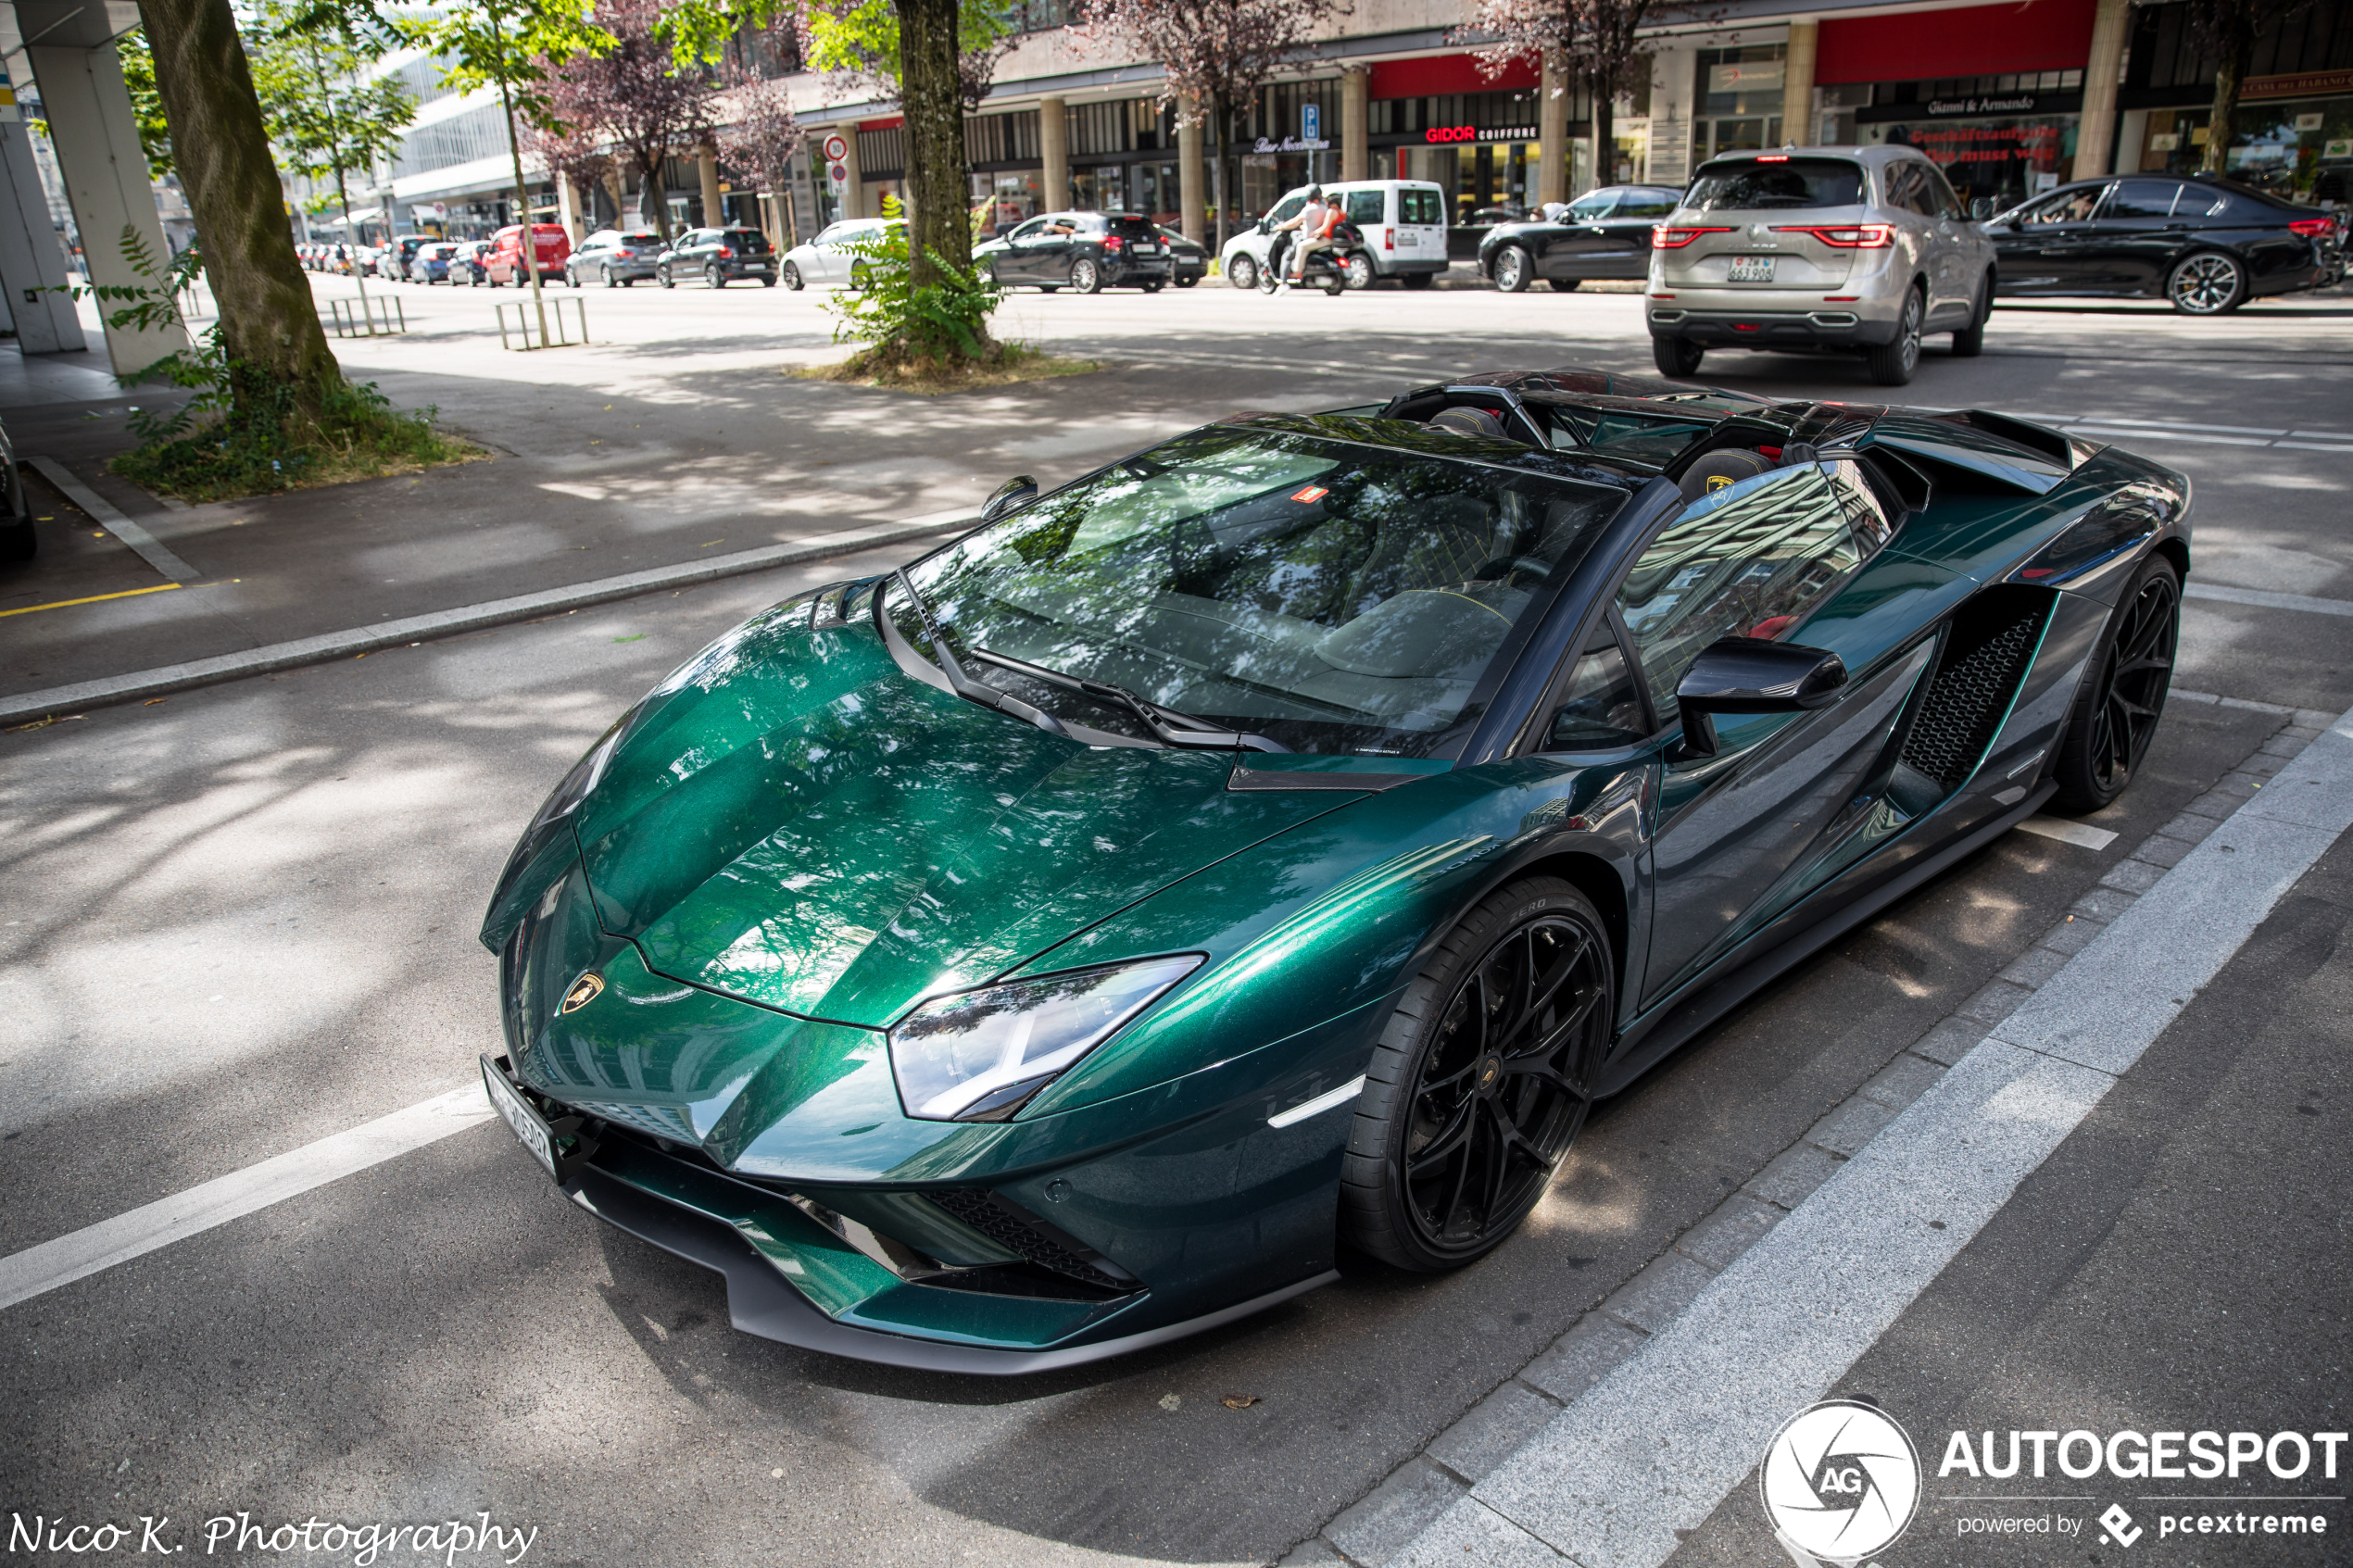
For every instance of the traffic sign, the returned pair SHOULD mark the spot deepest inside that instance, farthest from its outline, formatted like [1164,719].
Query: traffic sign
[837,149]
[838,174]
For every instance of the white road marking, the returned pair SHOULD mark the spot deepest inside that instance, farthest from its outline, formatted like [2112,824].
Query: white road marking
[2266,599]
[2129,428]
[2317,445]
[1318,1106]
[2081,833]
[95,1248]
[2167,435]
[1647,1454]
[150,549]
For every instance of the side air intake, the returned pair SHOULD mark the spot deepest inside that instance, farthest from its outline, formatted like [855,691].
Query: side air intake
[1017,1230]
[1985,657]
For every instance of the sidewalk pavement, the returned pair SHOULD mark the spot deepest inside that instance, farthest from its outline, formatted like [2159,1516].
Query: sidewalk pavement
[1972,1204]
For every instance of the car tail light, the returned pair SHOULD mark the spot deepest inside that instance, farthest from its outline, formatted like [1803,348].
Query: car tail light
[1773,158]
[1665,238]
[1113,244]
[2311,228]
[624,253]
[1388,239]
[727,254]
[1845,236]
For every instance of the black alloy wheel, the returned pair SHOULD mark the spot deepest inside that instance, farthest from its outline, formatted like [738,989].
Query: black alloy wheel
[2116,714]
[1084,276]
[2207,284]
[1891,364]
[1514,270]
[1483,1079]
[1676,355]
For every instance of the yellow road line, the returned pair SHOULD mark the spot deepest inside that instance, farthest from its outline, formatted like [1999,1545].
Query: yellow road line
[94,598]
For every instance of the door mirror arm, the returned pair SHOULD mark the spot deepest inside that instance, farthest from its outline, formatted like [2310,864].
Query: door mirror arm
[1750,675]
[1016,492]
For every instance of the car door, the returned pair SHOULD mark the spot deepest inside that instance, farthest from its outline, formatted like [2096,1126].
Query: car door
[1014,263]
[1576,246]
[1732,830]
[1626,252]
[2043,247]
[1954,272]
[2133,237]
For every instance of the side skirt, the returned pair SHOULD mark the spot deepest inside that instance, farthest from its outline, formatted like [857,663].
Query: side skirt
[759,1301]
[1650,1040]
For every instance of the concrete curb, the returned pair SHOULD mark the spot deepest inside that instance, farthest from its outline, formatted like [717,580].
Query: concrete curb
[28,707]
[1470,1496]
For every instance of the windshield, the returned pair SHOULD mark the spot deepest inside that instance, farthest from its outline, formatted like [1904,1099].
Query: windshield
[1749,184]
[1334,597]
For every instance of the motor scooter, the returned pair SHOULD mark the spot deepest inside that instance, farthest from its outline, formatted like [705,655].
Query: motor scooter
[1326,268]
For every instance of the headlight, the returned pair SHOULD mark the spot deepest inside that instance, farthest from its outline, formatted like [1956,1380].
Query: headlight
[978,1056]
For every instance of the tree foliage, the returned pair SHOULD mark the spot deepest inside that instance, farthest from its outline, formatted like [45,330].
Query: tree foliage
[146,105]
[2225,32]
[326,119]
[1598,42]
[859,42]
[1215,55]
[630,95]
[762,134]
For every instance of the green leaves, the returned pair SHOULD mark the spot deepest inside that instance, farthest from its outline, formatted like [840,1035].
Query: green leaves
[945,320]
[503,45]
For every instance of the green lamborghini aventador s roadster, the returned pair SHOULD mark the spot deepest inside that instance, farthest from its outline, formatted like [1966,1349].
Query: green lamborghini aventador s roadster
[1281,837]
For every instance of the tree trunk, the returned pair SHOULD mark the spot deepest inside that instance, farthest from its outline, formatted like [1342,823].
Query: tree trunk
[2237,51]
[938,231]
[268,322]
[1605,132]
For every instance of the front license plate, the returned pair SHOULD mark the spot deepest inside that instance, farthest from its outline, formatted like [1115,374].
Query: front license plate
[519,1115]
[1753,269]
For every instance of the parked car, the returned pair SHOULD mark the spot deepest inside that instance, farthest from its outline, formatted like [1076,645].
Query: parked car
[1451,775]
[504,264]
[431,264]
[468,266]
[1188,262]
[1470,231]
[1842,250]
[615,258]
[2203,245]
[718,257]
[831,258]
[1604,234]
[394,260]
[1082,251]
[1403,223]
[18,540]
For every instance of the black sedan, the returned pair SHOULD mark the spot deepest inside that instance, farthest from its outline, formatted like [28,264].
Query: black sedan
[1190,261]
[2207,245]
[1605,233]
[717,255]
[1085,252]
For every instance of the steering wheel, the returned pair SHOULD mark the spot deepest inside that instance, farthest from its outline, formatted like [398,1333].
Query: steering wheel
[1504,565]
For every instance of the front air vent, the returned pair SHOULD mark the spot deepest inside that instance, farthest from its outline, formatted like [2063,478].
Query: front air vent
[1017,1230]
[1986,653]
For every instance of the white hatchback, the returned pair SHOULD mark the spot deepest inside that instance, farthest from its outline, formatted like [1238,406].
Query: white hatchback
[827,259]
[1403,222]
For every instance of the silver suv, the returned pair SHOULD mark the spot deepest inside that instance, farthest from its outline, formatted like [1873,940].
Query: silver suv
[1818,250]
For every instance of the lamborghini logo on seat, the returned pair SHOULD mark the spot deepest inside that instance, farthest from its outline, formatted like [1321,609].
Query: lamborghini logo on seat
[586,989]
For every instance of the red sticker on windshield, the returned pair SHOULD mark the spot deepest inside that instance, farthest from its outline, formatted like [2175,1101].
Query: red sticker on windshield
[1312,493]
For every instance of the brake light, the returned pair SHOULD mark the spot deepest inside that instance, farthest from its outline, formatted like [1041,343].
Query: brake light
[1773,158]
[1665,238]
[1388,239]
[727,254]
[1845,236]
[2311,228]
[1113,242]
[624,253]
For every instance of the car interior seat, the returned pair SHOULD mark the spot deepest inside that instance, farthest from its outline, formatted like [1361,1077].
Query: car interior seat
[1468,421]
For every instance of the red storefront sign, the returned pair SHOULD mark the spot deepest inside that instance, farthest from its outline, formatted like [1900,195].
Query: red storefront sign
[1439,74]
[1973,41]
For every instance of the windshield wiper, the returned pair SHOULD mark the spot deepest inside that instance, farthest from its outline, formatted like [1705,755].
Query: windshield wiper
[1173,729]
[963,686]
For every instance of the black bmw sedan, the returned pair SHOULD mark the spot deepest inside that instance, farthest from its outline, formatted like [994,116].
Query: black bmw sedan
[1605,233]
[2207,245]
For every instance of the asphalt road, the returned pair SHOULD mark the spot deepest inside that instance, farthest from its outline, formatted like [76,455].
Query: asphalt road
[242,917]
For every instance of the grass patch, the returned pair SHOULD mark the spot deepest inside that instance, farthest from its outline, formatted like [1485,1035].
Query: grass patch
[258,450]
[892,367]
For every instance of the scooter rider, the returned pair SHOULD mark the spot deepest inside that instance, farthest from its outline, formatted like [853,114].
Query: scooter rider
[1313,223]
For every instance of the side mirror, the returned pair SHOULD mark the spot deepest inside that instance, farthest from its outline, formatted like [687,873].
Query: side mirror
[1263,226]
[1750,676]
[1014,492]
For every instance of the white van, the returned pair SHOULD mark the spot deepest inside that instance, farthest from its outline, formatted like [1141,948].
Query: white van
[1403,222]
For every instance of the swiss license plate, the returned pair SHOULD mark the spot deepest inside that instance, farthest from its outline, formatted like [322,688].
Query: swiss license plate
[525,1121]
[1753,269]
[1147,250]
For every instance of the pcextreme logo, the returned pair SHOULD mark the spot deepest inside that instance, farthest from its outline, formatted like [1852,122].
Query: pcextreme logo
[1841,1481]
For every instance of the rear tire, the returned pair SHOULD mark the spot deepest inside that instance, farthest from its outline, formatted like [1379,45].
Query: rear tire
[1891,364]
[1565,285]
[1421,280]
[2115,713]
[712,277]
[661,276]
[1475,1092]
[1676,356]
[605,274]
[1086,277]
[2206,284]
[1187,283]
[1513,269]
[1969,342]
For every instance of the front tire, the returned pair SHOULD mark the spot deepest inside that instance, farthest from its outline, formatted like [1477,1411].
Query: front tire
[792,279]
[1356,271]
[1891,364]
[2206,284]
[1565,285]
[1513,269]
[1676,356]
[1242,272]
[1481,1080]
[661,276]
[1421,280]
[2116,714]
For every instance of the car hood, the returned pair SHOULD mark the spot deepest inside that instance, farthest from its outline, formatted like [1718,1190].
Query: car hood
[794,820]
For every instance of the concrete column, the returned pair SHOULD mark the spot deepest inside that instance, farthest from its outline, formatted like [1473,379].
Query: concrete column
[1552,131]
[854,191]
[1797,85]
[1053,149]
[568,208]
[1192,179]
[714,212]
[2096,137]
[106,178]
[1356,123]
[32,259]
